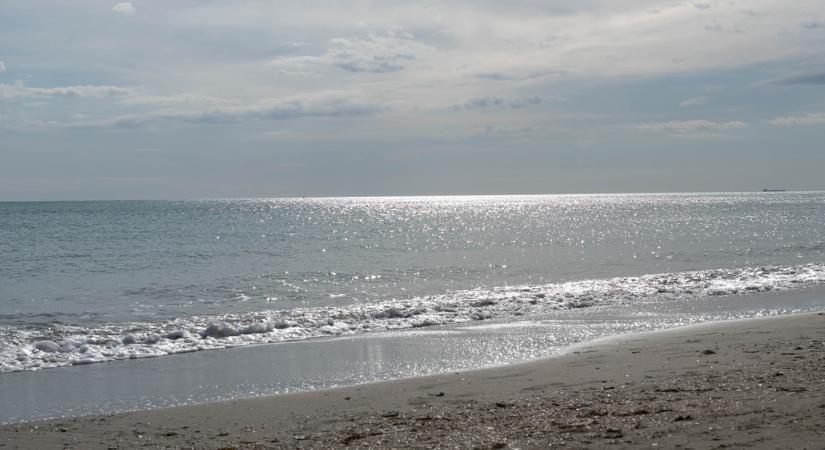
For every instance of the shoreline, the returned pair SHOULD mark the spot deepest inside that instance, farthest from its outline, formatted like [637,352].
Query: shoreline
[698,383]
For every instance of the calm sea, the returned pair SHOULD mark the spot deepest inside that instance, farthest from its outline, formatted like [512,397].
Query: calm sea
[84,282]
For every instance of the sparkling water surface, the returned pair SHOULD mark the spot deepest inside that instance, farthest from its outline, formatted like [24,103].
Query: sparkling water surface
[394,287]
[82,263]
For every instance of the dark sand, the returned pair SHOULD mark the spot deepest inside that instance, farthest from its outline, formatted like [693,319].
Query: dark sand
[753,383]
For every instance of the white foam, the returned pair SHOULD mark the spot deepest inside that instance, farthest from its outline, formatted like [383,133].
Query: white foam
[219,329]
[31,349]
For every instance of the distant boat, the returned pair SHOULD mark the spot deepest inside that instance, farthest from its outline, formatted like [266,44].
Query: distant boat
[773,190]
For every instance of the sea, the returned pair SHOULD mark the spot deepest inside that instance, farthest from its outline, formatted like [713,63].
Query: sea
[109,306]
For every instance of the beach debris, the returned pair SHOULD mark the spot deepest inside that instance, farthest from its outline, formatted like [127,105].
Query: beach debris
[792,389]
[682,418]
[355,435]
[708,352]
[613,433]
[593,413]
[352,436]
[577,426]
[635,412]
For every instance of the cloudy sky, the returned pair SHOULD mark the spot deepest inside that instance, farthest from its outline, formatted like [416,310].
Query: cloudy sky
[199,98]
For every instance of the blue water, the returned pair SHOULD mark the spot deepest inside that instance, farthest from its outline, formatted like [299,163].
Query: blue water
[117,279]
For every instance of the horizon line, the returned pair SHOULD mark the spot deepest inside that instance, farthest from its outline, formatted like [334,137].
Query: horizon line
[321,197]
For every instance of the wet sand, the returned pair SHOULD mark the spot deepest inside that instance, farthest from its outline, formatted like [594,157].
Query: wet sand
[756,383]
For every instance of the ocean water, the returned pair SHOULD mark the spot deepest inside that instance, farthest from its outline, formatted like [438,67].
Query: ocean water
[112,306]
[92,282]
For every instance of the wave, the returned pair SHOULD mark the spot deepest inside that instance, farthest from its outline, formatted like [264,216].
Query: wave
[61,345]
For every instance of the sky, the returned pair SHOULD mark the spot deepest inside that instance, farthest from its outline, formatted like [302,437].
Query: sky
[216,99]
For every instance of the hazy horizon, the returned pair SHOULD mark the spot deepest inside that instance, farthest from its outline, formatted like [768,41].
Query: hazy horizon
[193,99]
[378,196]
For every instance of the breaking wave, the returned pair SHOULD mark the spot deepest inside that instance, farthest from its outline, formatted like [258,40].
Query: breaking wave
[37,348]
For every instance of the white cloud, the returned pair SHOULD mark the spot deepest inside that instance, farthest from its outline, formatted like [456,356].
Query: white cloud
[178,99]
[491,102]
[503,76]
[2,67]
[688,127]
[324,104]
[799,120]
[19,90]
[482,58]
[522,40]
[813,25]
[511,131]
[125,8]
[695,101]
[805,78]
[372,53]
[189,108]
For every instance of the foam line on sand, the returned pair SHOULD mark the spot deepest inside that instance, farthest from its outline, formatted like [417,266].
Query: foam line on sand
[756,382]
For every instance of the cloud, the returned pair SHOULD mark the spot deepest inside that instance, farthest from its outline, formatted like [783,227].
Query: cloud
[813,25]
[511,131]
[177,99]
[188,108]
[20,90]
[2,67]
[713,26]
[687,127]
[799,120]
[503,76]
[588,38]
[808,78]
[488,102]
[695,101]
[125,8]
[327,104]
[372,53]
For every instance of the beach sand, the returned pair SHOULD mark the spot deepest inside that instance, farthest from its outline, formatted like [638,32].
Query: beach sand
[756,383]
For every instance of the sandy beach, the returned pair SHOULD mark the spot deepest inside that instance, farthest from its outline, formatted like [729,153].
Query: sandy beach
[750,383]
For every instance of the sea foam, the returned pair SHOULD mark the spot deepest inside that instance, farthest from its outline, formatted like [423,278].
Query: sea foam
[32,349]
